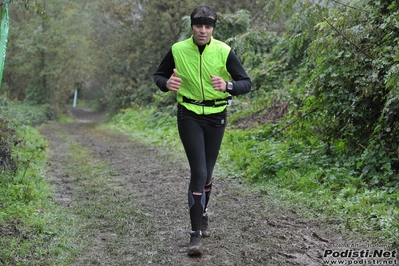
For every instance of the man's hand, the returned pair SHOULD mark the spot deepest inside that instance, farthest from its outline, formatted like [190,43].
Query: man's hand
[173,83]
[218,83]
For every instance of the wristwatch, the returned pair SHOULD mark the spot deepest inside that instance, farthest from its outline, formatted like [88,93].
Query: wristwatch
[229,86]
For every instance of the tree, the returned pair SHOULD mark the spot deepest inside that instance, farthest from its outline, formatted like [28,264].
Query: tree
[48,54]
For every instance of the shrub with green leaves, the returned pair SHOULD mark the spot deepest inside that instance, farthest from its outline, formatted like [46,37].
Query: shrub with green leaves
[353,85]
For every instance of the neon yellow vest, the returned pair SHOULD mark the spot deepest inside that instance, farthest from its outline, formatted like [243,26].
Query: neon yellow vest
[195,71]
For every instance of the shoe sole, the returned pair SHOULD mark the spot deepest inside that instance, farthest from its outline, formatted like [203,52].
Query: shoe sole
[206,233]
[195,251]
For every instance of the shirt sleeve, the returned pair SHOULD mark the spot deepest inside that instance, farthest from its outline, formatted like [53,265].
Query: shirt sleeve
[241,82]
[165,70]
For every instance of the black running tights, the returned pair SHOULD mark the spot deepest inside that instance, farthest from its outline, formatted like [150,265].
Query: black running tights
[201,141]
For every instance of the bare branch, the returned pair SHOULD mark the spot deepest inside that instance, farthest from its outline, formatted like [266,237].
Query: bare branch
[346,38]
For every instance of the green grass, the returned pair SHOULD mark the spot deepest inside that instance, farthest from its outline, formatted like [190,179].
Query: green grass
[37,230]
[149,126]
[34,228]
[316,185]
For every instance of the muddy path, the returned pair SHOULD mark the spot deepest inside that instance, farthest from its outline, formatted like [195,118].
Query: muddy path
[143,217]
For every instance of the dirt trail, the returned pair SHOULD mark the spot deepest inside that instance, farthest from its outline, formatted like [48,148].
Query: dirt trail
[146,220]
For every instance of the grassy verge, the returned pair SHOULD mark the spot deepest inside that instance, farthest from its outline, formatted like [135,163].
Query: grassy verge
[33,229]
[298,175]
[37,230]
[302,175]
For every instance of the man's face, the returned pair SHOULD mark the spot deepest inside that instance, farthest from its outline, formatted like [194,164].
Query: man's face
[202,34]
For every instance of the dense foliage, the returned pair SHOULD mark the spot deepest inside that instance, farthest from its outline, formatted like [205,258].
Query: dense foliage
[48,53]
[336,66]
[353,86]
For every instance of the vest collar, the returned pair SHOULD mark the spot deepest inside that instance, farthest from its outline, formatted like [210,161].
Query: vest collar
[195,45]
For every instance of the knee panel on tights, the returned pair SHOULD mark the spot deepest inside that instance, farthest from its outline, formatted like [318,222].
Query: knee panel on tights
[195,197]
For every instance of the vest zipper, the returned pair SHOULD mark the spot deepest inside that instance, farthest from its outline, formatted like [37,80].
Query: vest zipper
[202,84]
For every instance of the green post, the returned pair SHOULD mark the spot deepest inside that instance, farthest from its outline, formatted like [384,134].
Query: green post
[4,28]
